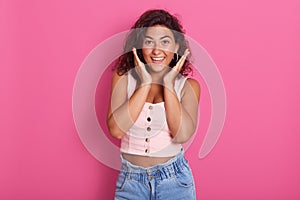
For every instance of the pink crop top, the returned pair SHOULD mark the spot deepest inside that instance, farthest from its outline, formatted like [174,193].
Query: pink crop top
[150,135]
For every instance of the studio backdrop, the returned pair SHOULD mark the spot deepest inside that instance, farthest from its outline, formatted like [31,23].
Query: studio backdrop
[56,62]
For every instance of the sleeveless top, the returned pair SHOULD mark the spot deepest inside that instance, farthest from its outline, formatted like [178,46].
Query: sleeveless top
[150,134]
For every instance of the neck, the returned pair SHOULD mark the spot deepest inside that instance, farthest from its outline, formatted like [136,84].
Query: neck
[157,77]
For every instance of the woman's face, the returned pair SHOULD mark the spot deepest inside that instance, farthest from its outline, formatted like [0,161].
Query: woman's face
[158,47]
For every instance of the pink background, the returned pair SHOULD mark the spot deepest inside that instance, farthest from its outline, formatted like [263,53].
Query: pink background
[255,45]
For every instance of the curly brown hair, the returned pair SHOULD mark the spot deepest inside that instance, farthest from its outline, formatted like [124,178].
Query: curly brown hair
[136,35]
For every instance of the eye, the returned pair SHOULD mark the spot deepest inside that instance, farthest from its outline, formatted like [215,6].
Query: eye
[165,42]
[148,42]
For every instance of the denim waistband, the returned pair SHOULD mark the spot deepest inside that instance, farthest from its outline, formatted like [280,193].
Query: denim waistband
[161,171]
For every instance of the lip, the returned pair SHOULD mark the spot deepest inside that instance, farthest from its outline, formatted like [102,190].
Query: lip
[158,59]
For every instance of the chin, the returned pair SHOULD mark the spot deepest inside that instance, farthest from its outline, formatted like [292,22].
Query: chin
[158,67]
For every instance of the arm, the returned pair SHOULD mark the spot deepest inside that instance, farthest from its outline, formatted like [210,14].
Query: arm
[182,116]
[122,113]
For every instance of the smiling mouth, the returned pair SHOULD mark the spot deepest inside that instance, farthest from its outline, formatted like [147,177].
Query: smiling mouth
[157,59]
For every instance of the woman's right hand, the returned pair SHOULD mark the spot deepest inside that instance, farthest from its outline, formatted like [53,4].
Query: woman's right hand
[141,70]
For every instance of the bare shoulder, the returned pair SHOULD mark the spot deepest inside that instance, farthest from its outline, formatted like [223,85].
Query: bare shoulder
[117,78]
[192,85]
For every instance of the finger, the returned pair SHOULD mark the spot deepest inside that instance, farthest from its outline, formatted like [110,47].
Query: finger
[181,61]
[136,57]
[183,58]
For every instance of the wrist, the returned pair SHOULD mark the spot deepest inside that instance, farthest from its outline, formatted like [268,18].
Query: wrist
[168,80]
[169,87]
[145,85]
[168,84]
[146,81]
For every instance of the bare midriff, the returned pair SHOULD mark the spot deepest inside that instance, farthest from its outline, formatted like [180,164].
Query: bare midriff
[145,161]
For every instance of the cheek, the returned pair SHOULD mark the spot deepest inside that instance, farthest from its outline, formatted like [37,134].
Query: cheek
[146,52]
[170,55]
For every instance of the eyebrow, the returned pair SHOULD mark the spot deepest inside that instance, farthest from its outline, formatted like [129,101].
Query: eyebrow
[163,37]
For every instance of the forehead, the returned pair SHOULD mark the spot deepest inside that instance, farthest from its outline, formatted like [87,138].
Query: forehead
[159,31]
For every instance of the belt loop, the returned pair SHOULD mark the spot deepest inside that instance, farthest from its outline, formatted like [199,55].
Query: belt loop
[128,171]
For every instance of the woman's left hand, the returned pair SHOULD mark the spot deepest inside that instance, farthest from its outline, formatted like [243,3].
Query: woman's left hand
[171,75]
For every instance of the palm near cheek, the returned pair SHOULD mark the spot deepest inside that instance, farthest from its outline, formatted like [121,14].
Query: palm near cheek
[141,70]
[168,78]
[171,75]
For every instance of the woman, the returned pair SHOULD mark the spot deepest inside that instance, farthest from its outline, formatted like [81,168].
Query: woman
[153,110]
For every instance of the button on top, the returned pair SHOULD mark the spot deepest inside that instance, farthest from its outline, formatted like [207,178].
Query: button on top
[150,107]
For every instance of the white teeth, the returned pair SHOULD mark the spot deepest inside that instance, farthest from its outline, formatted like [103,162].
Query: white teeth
[158,59]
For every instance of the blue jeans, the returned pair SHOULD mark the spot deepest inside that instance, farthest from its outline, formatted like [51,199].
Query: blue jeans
[171,180]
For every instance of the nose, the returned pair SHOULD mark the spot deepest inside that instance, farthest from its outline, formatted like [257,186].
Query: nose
[156,49]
